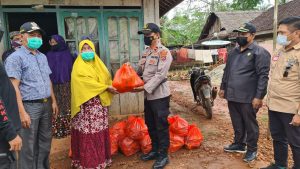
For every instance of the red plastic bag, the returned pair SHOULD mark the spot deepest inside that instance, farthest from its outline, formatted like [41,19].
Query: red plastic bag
[119,130]
[178,125]
[145,144]
[113,143]
[194,137]
[126,79]
[129,146]
[136,128]
[176,142]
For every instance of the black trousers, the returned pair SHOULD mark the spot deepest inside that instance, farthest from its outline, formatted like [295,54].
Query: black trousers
[284,134]
[7,163]
[246,130]
[156,118]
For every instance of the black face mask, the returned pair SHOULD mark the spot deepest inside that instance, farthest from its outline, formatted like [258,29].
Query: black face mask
[55,47]
[148,40]
[242,41]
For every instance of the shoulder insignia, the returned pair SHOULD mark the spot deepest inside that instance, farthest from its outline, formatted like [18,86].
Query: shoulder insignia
[163,54]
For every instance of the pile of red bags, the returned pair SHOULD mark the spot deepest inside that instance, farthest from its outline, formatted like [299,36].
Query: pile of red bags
[126,79]
[130,136]
[181,133]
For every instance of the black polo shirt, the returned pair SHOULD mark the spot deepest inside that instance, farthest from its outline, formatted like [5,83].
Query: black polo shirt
[246,74]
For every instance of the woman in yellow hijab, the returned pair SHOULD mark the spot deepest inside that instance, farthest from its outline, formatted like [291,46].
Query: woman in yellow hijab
[91,94]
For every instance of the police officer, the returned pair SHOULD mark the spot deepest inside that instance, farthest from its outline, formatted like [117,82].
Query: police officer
[153,66]
[244,85]
[283,97]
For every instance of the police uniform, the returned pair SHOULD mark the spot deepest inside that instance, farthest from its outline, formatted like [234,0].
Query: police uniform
[154,67]
[283,100]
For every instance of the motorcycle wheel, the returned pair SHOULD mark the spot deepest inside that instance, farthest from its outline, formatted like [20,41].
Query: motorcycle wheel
[208,108]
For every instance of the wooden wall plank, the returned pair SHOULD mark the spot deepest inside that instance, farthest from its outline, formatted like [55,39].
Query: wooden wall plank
[129,103]
[74,2]
[151,11]
[23,2]
[141,98]
[115,106]
[122,3]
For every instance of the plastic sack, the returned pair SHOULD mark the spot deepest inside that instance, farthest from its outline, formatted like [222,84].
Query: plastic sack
[126,79]
[113,143]
[136,128]
[129,146]
[145,144]
[176,142]
[194,137]
[178,125]
[119,130]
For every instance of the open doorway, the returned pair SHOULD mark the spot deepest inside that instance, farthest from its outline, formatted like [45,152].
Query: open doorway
[47,21]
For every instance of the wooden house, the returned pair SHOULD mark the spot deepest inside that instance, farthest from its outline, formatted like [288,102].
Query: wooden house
[112,25]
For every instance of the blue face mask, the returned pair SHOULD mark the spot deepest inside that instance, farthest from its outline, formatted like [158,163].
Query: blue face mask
[87,56]
[283,40]
[34,43]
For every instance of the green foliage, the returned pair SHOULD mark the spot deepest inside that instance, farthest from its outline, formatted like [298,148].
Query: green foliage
[245,4]
[184,28]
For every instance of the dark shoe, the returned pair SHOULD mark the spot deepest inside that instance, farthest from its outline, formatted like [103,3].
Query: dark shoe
[250,156]
[273,166]
[161,162]
[235,148]
[150,156]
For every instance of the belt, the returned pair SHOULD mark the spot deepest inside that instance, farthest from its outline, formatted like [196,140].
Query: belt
[45,100]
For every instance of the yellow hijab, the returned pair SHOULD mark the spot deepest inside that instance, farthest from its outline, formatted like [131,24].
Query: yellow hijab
[89,79]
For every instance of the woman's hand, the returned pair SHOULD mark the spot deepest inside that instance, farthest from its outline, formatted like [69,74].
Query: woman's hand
[112,90]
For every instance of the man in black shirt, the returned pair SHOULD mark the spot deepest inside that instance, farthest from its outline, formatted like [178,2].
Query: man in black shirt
[10,122]
[244,86]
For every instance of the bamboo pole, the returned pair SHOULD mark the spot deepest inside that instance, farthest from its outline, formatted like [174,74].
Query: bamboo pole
[275,24]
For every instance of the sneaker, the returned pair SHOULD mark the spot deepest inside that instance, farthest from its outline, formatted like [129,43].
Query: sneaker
[273,166]
[250,156]
[235,148]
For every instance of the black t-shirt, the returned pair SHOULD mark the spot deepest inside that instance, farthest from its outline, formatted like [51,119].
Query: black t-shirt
[7,53]
[8,95]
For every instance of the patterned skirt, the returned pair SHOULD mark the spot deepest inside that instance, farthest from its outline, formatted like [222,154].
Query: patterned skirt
[90,142]
[61,125]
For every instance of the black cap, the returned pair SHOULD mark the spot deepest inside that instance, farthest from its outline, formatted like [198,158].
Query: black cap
[246,27]
[149,27]
[29,27]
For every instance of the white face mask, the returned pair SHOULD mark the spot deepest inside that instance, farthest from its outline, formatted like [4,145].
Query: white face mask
[283,40]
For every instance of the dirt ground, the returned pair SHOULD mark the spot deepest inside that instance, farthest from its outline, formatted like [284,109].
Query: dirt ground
[217,133]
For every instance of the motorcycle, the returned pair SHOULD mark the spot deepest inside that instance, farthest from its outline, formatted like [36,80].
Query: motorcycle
[204,93]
